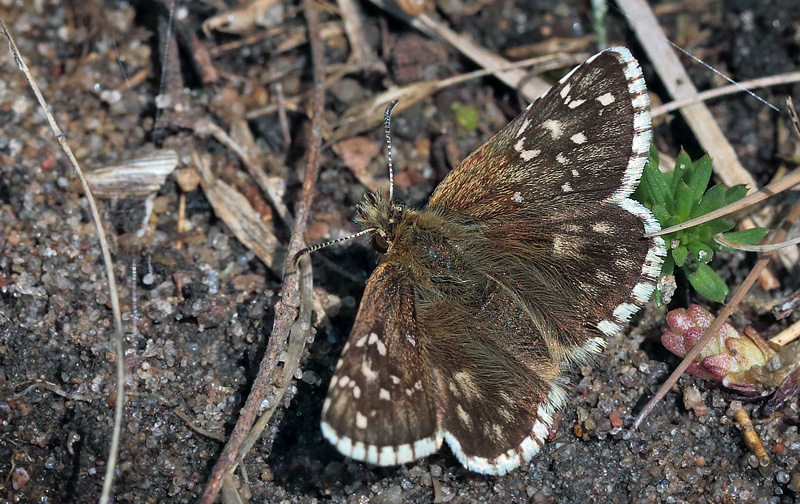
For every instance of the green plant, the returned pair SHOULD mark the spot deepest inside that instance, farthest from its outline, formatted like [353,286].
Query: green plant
[466,116]
[679,196]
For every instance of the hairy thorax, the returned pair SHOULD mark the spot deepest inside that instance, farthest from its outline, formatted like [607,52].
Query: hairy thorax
[430,247]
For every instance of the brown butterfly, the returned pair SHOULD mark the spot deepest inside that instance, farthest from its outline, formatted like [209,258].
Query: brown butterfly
[527,256]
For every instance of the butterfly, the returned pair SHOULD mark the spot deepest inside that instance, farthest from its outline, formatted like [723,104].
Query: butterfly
[527,256]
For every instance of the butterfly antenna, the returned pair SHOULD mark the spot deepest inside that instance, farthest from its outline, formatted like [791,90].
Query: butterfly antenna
[304,252]
[687,53]
[387,125]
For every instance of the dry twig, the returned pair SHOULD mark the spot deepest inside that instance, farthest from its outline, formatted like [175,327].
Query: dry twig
[208,127]
[288,309]
[772,80]
[788,335]
[109,266]
[738,296]
[529,88]
[751,438]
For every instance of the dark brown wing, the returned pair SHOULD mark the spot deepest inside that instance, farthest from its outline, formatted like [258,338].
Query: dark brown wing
[380,406]
[585,140]
[551,190]
[495,399]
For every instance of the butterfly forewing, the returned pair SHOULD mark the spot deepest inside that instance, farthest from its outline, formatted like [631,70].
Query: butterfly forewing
[555,194]
[380,405]
[581,142]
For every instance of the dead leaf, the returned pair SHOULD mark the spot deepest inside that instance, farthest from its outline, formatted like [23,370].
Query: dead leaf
[357,153]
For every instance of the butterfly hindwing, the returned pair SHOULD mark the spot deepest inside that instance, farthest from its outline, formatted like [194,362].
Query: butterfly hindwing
[494,394]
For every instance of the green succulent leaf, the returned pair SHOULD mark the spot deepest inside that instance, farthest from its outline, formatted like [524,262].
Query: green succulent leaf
[702,252]
[748,236]
[682,195]
[708,284]
[684,199]
[683,163]
[700,176]
[713,198]
[653,189]
[735,193]
[679,255]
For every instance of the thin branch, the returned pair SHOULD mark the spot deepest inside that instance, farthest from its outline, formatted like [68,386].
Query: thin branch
[738,296]
[719,238]
[529,88]
[786,182]
[772,80]
[788,335]
[286,311]
[112,283]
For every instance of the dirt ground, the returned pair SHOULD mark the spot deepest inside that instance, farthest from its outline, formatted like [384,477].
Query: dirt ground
[205,303]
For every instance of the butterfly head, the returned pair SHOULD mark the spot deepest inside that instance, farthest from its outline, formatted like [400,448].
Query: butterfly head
[380,216]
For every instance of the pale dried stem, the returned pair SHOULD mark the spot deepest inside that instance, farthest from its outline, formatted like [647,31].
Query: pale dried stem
[677,82]
[719,238]
[749,433]
[529,88]
[109,266]
[207,126]
[788,335]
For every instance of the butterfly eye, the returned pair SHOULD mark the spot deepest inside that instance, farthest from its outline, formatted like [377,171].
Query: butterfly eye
[380,244]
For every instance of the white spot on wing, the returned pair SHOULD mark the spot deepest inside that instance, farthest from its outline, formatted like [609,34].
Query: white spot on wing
[554,127]
[361,420]
[578,138]
[606,99]
[559,245]
[524,126]
[527,155]
[566,187]
[375,340]
[601,227]
[369,374]
[385,395]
